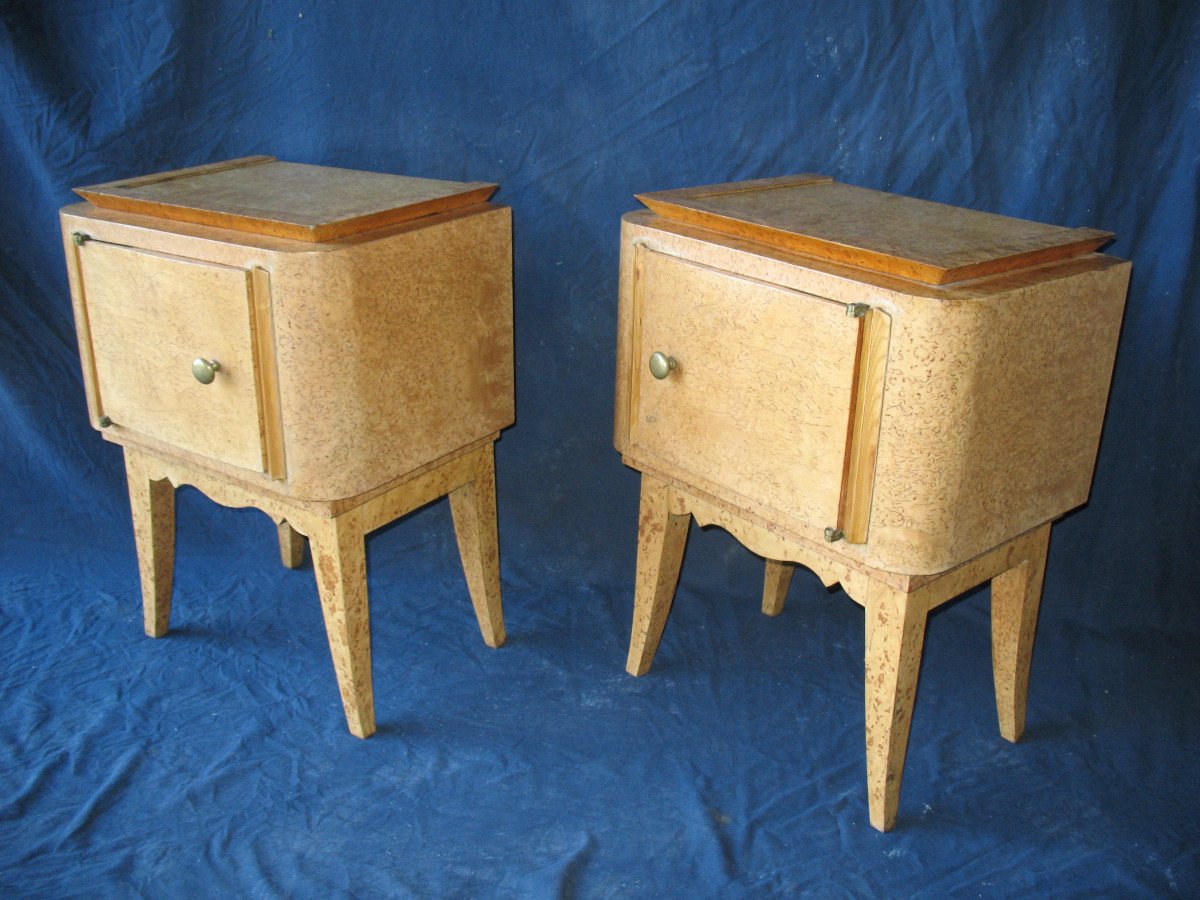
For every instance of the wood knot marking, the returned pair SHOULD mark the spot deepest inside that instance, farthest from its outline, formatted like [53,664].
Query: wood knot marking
[328,572]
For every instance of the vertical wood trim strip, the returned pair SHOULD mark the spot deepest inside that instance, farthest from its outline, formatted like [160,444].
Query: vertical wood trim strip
[87,356]
[636,354]
[266,371]
[865,420]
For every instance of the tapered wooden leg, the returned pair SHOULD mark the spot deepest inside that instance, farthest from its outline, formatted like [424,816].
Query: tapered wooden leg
[775,586]
[291,546]
[1016,596]
[895,635]
[340,563]
[661,539]
[153,506]
[473,507]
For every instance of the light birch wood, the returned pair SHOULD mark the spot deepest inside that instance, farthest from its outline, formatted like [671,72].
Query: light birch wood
[775,586]
[971,412]
[896,607]
[360,378]
[152,314]
[662,536]
[828,564]
[262,195]
[291,546]
[992,400]
[384,352]
[895,632]
[269,413]
[1016,596]
[929,242]
[865,420]
[747,352]
[340,563]
[473,507]
[152,503]
[338,550]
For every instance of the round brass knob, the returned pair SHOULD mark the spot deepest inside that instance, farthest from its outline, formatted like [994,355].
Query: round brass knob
[661,365]
[205,370]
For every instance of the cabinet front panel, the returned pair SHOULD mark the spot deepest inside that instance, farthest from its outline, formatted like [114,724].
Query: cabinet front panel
[149,316]
[758,404]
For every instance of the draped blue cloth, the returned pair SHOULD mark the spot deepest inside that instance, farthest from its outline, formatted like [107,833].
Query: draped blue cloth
[216,760]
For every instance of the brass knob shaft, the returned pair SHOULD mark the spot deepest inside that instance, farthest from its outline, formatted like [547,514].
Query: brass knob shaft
[205,370]
[661,365]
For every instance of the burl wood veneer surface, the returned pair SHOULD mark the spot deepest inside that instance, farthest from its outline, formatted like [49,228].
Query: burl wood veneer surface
[143,357]
[918,239]
[760,399]
[993,394]
[263,195]
[391,349]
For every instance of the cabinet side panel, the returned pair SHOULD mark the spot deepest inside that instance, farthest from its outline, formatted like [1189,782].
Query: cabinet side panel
[992,417]
[393,351]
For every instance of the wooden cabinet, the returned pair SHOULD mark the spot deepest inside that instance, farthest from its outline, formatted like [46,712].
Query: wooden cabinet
[897,394]
[332,347]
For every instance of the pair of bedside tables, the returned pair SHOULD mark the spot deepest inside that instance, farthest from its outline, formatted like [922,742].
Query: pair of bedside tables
[898,395]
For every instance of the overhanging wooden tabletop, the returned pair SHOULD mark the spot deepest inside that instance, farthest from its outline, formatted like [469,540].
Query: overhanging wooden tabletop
[262,195]
[917,239]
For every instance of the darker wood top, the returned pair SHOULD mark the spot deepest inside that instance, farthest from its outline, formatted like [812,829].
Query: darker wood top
[917,239]
[262,195]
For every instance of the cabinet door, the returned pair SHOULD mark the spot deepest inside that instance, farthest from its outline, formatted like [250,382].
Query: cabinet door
[149,316]
[758,407]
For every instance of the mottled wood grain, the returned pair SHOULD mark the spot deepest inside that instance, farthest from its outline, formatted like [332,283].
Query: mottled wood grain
[336,541]
[152,503]
[918,239]
[473,507]
[291,200]
[662,536]
[150,316]
[1000,381]
[291,545]
[895,625]
[760,401]
[359,378]
[340,565]
[1016,596]
[970,414]
[775,586]
[385,351]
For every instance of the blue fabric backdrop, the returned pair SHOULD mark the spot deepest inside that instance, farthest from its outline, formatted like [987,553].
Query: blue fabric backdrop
[216,760]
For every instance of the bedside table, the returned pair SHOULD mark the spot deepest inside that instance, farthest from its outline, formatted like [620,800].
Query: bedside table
[896,394]
[331,347]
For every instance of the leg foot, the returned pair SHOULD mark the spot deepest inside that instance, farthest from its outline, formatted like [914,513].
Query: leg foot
[895,635]
[661,539]
[153,506]
[775,586]
[340,563]
[1016,596]
[473,507]
[291,546]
